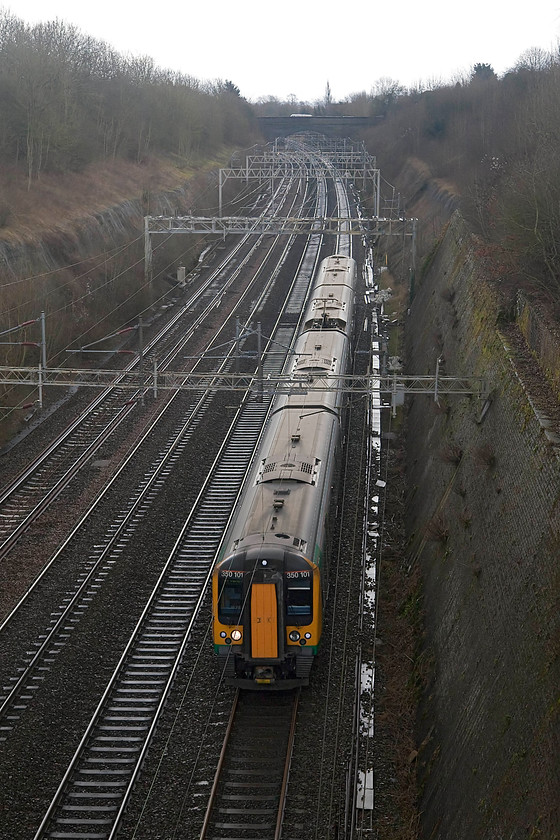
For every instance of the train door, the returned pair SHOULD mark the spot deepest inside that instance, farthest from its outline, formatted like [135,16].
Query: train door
[264,621]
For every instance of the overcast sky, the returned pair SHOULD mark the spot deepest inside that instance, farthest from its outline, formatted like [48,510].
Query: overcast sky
[295,47]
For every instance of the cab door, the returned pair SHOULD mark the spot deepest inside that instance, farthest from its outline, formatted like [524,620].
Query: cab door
[264,621]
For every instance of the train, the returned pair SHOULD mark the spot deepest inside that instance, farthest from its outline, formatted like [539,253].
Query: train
[269,581]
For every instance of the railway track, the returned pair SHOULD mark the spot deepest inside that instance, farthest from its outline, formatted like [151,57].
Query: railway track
[115,741]
[118,736]
[64,618]
[96,790]
[249,790]
[29,495]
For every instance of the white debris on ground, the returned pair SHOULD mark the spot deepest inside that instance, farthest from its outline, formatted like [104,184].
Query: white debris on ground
[365,778]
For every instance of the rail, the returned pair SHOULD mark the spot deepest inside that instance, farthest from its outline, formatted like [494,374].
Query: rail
[255,763]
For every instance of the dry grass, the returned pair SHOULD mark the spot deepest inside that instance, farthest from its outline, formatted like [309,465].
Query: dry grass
[57,200]
[437,530]
[397,304]
[451,453]
[57,205]
[485,456]
[394,308]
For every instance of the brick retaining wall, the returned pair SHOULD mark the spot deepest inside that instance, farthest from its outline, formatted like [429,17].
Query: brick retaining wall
[483,516]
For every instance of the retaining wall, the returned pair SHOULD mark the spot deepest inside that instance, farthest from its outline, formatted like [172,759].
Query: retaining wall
[483,518]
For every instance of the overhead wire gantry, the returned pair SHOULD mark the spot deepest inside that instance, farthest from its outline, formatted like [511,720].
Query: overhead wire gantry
[300,158]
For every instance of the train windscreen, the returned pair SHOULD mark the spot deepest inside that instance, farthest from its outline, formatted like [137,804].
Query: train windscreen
[299,599]
[230,601]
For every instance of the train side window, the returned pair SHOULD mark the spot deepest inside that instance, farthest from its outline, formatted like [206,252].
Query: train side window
[299,598]
[231,601]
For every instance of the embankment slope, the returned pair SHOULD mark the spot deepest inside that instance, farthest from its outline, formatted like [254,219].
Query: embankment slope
[483,518]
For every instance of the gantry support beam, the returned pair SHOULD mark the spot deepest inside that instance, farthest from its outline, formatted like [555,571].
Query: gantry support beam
[180,380]
[280,225]
[350,166]
[276,225]
[346,160]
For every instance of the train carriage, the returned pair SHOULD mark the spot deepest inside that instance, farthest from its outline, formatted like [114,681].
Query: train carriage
[267,586]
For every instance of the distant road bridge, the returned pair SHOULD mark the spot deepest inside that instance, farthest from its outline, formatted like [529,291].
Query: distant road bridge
[330,126]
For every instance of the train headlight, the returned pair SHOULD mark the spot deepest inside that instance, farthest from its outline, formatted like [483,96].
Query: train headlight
[294,636]
[308,636]
[236,635]
[223,634]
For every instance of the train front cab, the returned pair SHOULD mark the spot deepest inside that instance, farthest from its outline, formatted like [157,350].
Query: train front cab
[267,617]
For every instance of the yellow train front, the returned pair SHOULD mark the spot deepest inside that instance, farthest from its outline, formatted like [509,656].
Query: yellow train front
[267,587]
[268,616]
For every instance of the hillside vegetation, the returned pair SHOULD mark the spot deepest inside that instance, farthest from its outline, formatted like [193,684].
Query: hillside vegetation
[90,142]
[68,100]
[493,144]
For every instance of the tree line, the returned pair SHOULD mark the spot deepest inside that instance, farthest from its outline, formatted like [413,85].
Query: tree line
[496,141]
[67,99]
